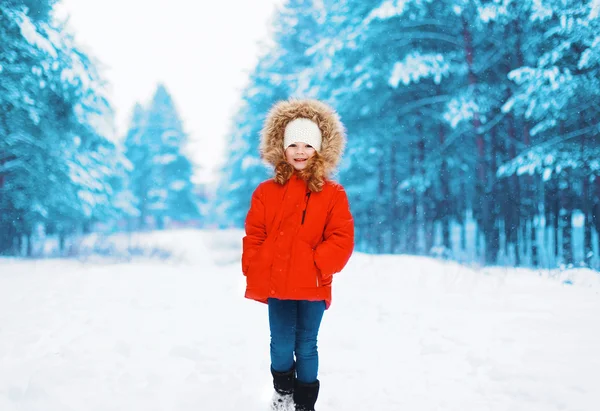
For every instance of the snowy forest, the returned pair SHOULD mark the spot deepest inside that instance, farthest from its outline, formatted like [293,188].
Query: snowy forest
[473,129]
[472,125]
[62,173]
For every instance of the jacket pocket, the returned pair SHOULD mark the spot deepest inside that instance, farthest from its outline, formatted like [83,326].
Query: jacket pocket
[322,281]
[306,274]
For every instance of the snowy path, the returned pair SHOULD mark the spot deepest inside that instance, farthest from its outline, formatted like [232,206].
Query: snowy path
[403,333]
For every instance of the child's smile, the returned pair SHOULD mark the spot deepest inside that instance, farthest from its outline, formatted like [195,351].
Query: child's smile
[297,154]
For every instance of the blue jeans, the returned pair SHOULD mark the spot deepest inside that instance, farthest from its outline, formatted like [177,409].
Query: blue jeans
[294,329]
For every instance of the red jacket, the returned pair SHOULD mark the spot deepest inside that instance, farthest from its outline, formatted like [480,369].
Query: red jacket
[296,240]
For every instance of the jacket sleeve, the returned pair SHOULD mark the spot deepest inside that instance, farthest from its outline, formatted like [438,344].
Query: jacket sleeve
[334,252]
[255,227]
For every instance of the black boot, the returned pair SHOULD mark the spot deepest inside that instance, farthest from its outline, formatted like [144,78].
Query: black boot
[283,382]
[305,395]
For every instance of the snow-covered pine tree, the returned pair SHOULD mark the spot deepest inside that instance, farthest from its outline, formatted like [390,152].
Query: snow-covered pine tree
[138,155]
[161,174]
[50,99]
[556,92]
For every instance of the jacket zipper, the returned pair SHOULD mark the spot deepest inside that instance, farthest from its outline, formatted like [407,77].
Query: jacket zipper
[305,207]
[308,193]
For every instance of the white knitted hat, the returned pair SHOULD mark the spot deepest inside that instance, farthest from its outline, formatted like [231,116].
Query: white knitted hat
[302,130]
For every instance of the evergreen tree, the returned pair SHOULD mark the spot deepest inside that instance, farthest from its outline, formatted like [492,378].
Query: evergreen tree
[161,173]
[52,148]
[138,154]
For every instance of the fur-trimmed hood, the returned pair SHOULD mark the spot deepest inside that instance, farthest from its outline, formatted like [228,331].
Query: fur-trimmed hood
[334,138]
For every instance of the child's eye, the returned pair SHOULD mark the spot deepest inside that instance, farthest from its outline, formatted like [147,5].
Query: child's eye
[292,145]
[309,146]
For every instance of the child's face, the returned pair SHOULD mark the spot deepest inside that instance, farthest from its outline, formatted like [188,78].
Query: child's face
[297,155]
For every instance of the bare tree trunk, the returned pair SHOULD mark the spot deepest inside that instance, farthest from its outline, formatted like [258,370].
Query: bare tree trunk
[495,187]
[463,232]
[380,212]
[566,214]
[502,196]
[394,208]
[19,246]
[5,237]
[547,187]
[4,224]
[8,236]
[412,237]
[586,202]
[588,249]
[515,195]
[29,245]
[484,214]
[596,209]
[552,209]
[532,193]
[422,207]
[429,220]
[530,212]
[556,222]
[444,206]
[61,241]
[535,221]
[463,214]
[7,230]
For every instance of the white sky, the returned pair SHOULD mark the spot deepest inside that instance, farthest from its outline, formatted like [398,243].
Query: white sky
[201,51]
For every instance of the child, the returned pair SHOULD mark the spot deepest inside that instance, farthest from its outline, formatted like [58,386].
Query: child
[299,232]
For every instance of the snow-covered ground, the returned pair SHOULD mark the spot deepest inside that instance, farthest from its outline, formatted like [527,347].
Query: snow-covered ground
[403,333]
